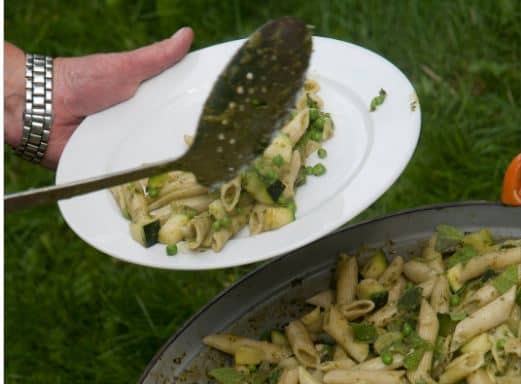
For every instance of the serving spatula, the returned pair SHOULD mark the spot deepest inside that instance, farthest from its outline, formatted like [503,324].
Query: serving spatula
[248,103]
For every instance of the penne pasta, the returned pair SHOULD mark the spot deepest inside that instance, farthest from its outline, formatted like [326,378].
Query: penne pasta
[289,376]
[488,317]
[479,377]
[309,148]
[339,353]
[345,363]
[176,194]
[230,193]
[304,377]
[507,379]
[288,179]
[428,327]
[385,315]
[229,344]
[496,260]
[440,295]
[347,280]
[270,179]
[419,333]
[220,237]
[392,272]
[427,287]
[338,328]
[313,320]
[513,346]
[418,272]
[199,203]
[311,86]
[356,309]
[297,126]
[198,229]
[461,367]
[256,220]
[301,344]
[322,299]
[289,363]
[377,364]
[189,139]
[341,376]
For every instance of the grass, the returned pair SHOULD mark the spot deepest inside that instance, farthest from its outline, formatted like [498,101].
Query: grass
[74,315]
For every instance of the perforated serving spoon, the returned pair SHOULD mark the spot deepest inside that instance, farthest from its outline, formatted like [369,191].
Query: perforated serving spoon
[248,103]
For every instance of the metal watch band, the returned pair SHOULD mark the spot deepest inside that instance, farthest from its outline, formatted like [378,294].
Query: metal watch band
[37,118]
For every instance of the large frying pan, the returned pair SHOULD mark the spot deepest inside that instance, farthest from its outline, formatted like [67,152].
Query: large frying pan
[272,294]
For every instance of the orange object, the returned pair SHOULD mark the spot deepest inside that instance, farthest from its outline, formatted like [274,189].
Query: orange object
[511,193]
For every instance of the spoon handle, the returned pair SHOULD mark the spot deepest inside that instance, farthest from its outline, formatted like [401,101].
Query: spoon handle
[33,197]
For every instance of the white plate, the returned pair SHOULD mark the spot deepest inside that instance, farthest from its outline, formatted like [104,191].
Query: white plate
[366,155]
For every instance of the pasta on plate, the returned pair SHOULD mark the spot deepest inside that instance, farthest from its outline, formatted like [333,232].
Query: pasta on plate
[449,316]
[172,208]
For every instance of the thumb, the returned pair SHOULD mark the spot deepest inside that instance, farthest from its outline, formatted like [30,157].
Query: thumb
[148,61]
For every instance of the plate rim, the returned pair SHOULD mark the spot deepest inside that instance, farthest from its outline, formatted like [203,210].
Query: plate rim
[297,243]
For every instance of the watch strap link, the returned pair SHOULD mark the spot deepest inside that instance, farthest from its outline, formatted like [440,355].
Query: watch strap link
[37,118]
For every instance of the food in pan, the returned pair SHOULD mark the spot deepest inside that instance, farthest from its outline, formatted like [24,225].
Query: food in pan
[172,208]
[451,315]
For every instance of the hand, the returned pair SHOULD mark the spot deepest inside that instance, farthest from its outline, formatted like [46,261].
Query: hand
[85,85]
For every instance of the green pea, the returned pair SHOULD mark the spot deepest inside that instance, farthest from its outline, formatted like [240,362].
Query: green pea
[171,249]
[225,221]
[387,358]
[270,175]
[322,153]
[308,170]
[500,344]
[454,300]
[278,161]
[315,135]
[152,192]
[318,124]
[319,169]
[216,225]
[314,114]
[407,329]
[310,102]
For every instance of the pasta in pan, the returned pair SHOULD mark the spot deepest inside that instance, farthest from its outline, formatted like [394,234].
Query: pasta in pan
[413,322]
[173,208]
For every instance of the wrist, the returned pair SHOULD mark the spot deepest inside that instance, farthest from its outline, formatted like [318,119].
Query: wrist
[14,94]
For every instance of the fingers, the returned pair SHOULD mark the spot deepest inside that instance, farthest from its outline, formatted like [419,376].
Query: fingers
[148,61]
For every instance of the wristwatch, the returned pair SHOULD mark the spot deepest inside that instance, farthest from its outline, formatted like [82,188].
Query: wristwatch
[37,118]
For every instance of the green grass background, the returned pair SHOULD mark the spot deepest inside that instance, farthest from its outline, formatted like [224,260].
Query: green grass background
[74,315]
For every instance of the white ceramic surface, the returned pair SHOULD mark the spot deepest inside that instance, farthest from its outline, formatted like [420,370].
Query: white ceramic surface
[366,155]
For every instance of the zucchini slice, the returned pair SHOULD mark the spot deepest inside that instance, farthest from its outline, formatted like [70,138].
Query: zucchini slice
[276,217]
[479,240]
[172,230]
[254,185]
[275,190]
[453,275]
[146,233]
[375,266]
[278,338]
[370,289]
[247,356]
